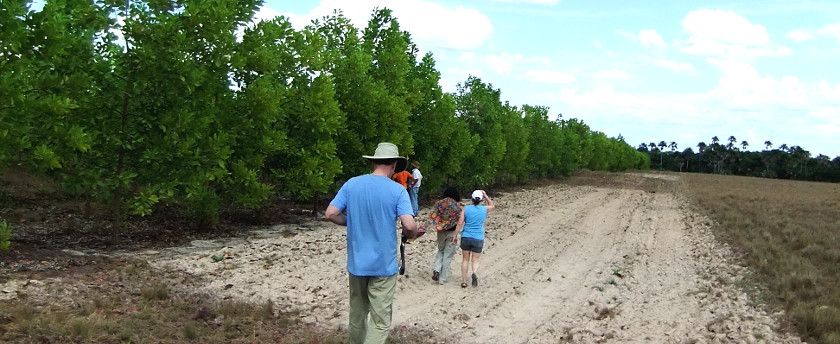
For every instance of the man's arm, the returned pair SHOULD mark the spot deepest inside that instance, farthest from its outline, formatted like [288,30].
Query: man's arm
[409,226]
[335,216]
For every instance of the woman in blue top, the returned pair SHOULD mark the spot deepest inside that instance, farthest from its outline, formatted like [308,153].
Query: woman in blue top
[471,228]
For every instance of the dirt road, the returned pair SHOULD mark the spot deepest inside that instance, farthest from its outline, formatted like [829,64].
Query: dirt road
[561,264]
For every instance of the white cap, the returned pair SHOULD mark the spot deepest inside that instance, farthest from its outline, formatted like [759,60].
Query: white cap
[477,194]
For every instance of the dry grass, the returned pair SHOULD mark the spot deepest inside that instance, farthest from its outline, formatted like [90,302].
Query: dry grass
[129,302]
[789,234]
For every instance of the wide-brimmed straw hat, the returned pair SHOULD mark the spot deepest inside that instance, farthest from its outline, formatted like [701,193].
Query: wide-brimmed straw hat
[387,150]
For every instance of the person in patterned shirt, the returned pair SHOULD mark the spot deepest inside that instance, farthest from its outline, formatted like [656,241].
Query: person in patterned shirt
[443,219]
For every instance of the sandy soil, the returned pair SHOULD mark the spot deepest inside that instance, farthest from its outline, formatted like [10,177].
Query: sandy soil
[561,264]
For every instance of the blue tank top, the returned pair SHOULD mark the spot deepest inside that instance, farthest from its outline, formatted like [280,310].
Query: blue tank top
[474,221]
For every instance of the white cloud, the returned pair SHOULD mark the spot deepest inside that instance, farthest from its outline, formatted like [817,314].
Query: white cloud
[724,27]
[650,37]
[828,91]
[746,104]
[831,30]
[607,97]
[627,34]
[612,74]
[504,62]
[741,86]
[682,67]
[799,35]
[500,63]
[549,77]
[829,113]
[728,35]
[597,44]
[455,28]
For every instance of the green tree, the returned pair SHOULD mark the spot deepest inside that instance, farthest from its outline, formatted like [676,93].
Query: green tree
[294,111]
[543,142]
[373,113]
[441,141]
[479,106]
[512,168]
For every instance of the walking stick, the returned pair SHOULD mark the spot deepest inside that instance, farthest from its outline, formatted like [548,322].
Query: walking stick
[402,255]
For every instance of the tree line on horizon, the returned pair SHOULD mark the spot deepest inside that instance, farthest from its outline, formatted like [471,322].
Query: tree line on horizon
[189,103]
[733,157]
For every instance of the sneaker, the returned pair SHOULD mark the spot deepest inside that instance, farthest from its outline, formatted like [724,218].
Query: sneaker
[435,275]
[474,281]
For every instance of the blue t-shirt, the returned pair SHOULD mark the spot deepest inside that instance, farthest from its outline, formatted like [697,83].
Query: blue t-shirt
[372,204]
[474,221]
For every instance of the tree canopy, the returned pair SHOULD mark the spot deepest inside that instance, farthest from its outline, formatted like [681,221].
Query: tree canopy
[192,105]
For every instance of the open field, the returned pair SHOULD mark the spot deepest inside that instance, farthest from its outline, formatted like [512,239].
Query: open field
[598,258]
[787,233]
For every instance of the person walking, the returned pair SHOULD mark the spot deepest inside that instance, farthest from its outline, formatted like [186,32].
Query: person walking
[415,186]
[369,206]
[471,228]
[444,219]
[404,178]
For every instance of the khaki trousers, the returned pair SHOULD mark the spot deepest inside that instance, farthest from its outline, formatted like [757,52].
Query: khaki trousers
[371,303]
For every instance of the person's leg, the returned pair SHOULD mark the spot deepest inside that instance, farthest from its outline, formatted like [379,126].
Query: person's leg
[477,247]
[381,295]
[359,307]
[474,259]
[412,195]
[447,253]
[441,244]
[465,265]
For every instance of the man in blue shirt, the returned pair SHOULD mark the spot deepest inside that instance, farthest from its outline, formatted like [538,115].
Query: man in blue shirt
[369,206]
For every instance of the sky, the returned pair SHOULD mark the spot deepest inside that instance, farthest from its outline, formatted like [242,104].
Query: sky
[651,71]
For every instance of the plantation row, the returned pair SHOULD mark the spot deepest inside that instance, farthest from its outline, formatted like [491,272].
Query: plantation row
[188,103]
[732,158]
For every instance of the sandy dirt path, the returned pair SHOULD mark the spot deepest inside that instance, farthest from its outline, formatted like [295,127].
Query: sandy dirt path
[577,264]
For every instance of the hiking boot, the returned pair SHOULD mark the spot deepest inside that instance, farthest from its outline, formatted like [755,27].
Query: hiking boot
[435,275]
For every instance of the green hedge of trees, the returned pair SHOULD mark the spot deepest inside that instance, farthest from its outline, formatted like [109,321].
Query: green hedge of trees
[188,103]
[733,157]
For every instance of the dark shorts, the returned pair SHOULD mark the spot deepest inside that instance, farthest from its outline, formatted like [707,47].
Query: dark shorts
[471,244]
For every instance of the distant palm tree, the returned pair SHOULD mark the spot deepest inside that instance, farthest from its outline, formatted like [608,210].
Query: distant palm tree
[783,147]
[673,146]
[744,144]
[715,140]
[662,146]
[731,143]
[768,144]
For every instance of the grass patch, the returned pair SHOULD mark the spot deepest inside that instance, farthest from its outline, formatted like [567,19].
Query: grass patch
[129,302]
[787,232]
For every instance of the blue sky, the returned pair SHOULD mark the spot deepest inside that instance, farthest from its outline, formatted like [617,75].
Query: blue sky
[681,71]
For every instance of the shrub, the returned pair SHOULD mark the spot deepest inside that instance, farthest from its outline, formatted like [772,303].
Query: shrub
[5,236]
